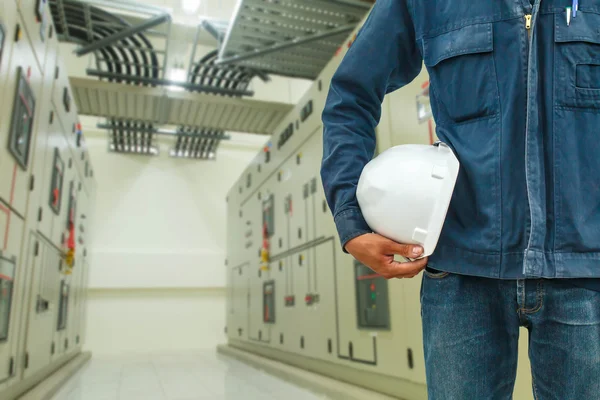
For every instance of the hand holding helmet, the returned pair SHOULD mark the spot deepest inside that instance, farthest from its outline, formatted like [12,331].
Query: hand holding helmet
[404,195]
[377,252]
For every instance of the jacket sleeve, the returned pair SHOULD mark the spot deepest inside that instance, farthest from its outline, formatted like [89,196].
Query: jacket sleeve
[383,58]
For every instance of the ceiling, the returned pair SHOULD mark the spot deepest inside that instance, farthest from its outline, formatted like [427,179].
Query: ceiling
[181,42]
[212,9]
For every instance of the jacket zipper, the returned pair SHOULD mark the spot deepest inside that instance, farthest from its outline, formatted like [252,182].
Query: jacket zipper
[528,27]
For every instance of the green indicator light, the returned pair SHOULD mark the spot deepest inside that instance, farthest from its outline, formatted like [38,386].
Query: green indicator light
[373,296]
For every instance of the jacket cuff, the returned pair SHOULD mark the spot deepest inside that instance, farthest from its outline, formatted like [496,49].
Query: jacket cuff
[350,224]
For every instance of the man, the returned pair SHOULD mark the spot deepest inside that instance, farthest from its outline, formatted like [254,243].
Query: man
[515,91]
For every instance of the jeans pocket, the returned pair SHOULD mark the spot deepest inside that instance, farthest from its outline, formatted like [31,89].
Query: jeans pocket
[435,274]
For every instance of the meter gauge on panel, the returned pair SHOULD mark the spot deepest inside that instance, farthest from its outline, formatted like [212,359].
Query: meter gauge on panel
[7,272]
[56,187]
[372,299]
[22,120]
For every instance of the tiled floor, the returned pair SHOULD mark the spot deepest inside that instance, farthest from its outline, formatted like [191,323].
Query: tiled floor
[177,376]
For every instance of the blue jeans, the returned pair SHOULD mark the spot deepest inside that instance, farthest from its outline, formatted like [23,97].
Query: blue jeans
[471,333]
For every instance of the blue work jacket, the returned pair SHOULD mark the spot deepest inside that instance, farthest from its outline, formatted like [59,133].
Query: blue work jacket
[515,92]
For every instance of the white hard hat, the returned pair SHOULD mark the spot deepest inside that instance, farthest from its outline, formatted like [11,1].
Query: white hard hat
[404,193]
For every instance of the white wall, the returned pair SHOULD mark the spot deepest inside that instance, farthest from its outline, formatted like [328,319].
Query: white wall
[160,221]
[143,321]
[157,277]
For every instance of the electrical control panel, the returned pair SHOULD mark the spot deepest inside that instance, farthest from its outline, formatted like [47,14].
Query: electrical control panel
[372,300]
[41,296]
[22,120]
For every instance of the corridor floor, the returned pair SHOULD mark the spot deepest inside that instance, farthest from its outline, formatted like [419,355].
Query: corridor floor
[195,375]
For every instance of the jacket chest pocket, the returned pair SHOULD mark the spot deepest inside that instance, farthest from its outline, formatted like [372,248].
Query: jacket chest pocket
[577,58]
[463,73]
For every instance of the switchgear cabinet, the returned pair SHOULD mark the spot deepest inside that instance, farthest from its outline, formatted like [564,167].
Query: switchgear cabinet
[45,194]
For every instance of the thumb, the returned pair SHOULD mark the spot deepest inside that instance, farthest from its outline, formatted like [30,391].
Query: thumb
[406,250]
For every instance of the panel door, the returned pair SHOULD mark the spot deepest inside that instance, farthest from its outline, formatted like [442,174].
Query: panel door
[68,194]
[320,318]
[11,288]
[44,161]
[41,308]
[50,178]
[238,313]
[38,24]
[58,289]
[17,122]
[258,330]
[8,23]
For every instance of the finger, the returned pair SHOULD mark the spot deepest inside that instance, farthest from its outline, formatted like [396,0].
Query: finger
[406,270]
[405,250]
[409,276]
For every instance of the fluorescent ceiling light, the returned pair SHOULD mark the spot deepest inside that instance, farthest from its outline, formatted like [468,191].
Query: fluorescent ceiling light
[190,6]
[177,75]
